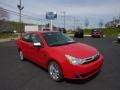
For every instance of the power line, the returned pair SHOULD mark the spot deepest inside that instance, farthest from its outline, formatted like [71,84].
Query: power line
[10,6]
[23,15]
[5,4]
[29,17]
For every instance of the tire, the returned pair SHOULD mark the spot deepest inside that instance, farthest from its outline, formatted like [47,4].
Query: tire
[21,55]
[55,71]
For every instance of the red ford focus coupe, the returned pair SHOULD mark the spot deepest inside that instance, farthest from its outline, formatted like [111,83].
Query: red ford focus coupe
[60,55]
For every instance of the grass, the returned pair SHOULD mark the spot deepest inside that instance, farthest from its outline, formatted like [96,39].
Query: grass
[7,35]
[108,32]
[111,32]
[87,31]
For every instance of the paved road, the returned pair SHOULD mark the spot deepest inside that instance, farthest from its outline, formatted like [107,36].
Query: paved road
[17,75]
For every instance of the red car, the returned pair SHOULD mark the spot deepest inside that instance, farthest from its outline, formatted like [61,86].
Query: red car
[60,55]
[96,33]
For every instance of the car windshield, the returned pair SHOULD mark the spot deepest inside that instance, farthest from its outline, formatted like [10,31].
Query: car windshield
[57,39]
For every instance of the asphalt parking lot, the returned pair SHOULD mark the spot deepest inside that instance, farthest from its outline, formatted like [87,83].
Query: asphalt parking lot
[17,75]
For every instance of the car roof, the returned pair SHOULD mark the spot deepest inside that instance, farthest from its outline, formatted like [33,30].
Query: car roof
[96,30]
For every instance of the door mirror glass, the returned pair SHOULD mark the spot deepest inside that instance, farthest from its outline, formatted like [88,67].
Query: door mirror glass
[38,44]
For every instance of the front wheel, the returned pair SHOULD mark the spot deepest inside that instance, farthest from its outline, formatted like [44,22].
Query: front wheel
[55,71]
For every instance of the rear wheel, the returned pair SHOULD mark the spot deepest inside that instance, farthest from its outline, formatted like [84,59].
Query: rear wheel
[55,71]
[21,55]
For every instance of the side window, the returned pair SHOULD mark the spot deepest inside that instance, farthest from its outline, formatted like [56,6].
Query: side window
[26,37]
[36,39]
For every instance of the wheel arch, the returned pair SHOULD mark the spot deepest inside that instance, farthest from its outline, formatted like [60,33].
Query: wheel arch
[54,60]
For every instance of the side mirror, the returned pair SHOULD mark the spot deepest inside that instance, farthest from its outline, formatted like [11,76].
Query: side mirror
[38,44]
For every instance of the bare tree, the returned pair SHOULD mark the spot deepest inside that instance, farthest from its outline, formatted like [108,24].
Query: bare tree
[4,16]
[119,18]
[101,23]
[86,23]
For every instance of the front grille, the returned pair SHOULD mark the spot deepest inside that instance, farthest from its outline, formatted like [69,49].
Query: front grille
[91,59]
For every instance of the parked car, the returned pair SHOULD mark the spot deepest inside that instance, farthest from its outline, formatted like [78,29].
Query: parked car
[118,37]
[60,55]
[96,33]
[79,33]
[62,30]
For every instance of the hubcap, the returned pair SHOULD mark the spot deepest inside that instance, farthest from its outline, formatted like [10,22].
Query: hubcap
[54,72]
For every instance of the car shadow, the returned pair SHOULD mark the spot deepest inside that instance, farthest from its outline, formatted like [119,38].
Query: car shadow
[70,81]
[36,65]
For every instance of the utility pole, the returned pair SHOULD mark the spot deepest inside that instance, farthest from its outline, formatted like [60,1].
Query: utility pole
[20,7]
[64,17]
[51,25]
[74,24]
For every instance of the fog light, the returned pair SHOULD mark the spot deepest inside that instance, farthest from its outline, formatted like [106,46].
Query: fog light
[78,76]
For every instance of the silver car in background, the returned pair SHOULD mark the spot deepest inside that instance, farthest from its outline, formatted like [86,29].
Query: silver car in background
[118,37]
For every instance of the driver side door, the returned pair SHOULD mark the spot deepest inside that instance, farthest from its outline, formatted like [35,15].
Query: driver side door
[37,54]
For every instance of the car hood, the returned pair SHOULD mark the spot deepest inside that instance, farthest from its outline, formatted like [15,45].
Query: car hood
[78,50]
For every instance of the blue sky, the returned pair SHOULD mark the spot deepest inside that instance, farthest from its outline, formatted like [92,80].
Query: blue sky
[94,10]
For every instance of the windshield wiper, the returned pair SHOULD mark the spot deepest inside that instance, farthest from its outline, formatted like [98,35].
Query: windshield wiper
[68,43]
[56,45]
[63,43]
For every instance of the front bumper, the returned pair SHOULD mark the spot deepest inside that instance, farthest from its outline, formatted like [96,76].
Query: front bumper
[83,71]
[96,35]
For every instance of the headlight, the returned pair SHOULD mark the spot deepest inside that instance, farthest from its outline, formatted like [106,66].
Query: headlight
[74,60]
